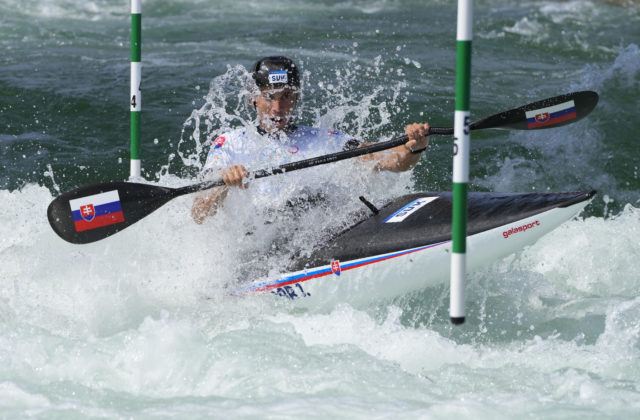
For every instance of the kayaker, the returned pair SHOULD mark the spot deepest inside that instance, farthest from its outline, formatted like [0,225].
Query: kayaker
[278,90]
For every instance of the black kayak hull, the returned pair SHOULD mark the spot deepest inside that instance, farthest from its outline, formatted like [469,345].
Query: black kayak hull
[406,246]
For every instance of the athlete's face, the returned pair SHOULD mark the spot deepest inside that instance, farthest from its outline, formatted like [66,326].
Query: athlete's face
[275,107]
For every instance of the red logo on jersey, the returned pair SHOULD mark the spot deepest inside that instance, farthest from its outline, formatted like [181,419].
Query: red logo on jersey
[219,142]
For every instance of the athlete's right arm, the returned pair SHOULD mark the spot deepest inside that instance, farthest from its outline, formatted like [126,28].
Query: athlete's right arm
[207,202]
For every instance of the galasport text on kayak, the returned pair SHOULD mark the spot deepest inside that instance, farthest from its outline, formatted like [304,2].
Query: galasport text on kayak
[522,228]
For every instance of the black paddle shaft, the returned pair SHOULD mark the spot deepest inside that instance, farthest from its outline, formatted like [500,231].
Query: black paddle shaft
[136,201]
[515,119]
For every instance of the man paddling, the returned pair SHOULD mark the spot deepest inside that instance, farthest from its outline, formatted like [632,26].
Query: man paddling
[278,83]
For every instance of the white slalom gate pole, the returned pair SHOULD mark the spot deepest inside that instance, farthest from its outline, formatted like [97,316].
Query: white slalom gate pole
[461,133]
[135,92]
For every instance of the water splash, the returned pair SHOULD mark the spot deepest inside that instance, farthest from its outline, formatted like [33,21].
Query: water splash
[268,236]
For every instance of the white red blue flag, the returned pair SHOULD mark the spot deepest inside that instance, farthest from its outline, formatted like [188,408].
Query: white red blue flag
[219,142]
[335,267]
[551,115]
[96,210]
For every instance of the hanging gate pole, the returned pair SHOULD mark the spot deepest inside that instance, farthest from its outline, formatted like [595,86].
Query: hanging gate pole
[461,133]
[135,92]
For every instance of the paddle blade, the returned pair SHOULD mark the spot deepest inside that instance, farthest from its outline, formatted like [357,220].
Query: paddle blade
[548,113]
[93,212]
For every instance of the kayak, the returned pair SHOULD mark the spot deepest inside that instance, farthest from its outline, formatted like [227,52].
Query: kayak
[405,246]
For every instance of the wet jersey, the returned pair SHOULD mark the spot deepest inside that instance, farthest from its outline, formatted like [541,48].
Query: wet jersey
[254,151]
[247,147]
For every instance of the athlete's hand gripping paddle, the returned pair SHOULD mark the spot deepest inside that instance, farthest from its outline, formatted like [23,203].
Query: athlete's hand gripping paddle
[93,212]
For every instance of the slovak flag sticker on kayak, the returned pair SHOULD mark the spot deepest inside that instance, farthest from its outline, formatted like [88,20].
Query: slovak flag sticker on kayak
[96,210]
[551,115]
[335,267]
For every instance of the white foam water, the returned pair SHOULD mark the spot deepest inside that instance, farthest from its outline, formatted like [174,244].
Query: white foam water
[138,324]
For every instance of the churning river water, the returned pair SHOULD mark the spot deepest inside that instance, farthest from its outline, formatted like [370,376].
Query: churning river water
[122,328]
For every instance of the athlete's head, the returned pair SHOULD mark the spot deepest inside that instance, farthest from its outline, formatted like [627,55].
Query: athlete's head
[278,82]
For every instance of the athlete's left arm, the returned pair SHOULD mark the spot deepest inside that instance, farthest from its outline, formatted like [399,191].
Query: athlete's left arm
[403,157]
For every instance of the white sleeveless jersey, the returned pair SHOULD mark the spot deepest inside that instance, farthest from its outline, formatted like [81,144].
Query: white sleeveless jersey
[245,146]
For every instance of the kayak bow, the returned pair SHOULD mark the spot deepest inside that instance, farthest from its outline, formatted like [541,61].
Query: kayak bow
[406,246]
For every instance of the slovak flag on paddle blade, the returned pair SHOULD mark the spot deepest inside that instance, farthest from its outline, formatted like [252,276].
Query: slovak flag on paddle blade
[551,115]
[542,117]
[96,210]
[87,212]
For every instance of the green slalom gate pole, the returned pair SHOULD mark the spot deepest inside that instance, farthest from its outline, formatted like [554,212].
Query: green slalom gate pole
[135,92]
[461,133]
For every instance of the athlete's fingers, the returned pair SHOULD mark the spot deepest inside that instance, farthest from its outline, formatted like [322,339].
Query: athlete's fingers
[418,136]
[417,131]
[233,175]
